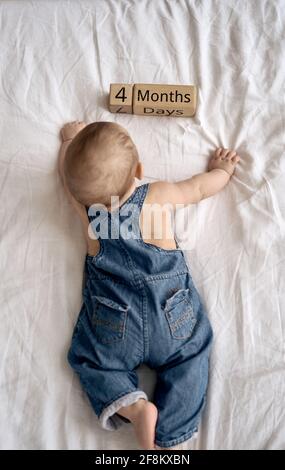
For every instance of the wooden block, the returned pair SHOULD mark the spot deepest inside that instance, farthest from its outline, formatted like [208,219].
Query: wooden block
[121,98]
[164,100]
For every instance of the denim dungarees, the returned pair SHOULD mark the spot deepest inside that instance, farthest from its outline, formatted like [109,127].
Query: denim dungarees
[140,306]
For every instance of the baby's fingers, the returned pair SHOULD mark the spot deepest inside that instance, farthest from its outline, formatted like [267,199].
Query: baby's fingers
[235,159]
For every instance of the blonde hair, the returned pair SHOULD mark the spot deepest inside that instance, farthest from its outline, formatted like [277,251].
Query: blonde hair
[100,162]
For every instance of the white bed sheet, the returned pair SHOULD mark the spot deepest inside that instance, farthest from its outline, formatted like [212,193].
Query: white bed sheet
[57,60]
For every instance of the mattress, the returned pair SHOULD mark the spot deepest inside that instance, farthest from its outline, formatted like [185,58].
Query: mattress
[57,62]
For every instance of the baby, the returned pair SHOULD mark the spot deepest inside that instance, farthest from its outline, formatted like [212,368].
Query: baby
[139,301]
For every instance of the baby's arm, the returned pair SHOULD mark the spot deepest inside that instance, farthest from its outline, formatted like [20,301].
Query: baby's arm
[68,132]
[192,190]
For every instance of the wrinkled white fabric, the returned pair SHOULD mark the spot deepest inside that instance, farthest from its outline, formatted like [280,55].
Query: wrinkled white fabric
[57,62]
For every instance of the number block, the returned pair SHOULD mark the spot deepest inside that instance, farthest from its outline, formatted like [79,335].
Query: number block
[121,98]
[164,100]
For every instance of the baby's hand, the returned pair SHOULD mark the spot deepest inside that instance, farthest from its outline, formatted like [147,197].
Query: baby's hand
[69,130]
[224,159]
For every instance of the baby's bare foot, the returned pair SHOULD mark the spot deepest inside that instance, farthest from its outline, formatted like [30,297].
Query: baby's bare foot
[71,129]
[143,415]
[224,159]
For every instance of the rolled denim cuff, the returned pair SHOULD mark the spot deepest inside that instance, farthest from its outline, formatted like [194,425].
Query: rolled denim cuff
[109,419]
[181,445]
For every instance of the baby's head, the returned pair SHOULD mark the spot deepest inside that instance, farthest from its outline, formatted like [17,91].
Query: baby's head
[100,162]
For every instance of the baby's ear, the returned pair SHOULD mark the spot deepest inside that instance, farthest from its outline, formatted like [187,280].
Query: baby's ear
[139,171]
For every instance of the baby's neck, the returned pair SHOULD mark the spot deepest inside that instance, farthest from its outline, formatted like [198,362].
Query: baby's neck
[128,193]
[123,198]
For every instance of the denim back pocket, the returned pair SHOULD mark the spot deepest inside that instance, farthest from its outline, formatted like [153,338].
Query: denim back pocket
[180,314]
[109,320]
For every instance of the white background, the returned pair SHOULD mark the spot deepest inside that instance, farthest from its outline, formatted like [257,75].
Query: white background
[57,59]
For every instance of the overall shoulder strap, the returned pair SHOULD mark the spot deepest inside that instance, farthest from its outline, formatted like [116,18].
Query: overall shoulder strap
[140,195]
